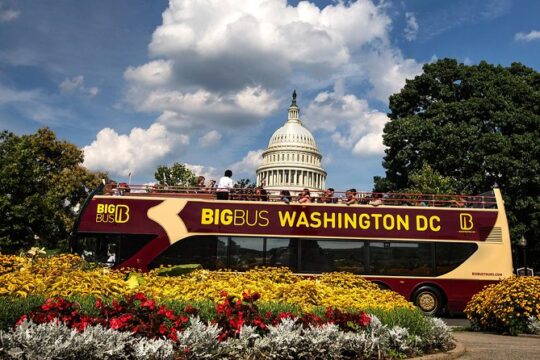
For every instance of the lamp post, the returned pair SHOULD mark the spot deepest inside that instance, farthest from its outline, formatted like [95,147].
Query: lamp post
[522,243]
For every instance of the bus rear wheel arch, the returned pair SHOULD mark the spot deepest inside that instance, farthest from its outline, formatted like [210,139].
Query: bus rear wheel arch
[382,285]
[430,300]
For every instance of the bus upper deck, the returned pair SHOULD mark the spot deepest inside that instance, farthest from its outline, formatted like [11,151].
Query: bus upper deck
[482,201]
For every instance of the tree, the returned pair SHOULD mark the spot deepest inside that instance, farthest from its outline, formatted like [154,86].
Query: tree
[480,126]
[428,181]
[41,184]
[176,175]
[245,184]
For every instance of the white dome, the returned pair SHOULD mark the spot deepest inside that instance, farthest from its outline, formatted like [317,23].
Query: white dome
[292,134]
[292,160]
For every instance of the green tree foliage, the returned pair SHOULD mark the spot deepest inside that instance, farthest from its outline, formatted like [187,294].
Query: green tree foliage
[428,181]
[480,126]
[245,184]
[175,175]
[41,183]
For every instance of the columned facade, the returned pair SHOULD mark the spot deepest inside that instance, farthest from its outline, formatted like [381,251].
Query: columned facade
[292,160]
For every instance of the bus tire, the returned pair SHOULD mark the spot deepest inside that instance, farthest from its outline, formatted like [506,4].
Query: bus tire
[429,300]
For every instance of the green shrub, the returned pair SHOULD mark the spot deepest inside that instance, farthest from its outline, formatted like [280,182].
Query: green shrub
[413,320]
[178,270]
[11,309]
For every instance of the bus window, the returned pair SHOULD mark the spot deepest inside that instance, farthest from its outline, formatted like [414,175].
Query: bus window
[322,256]
[400,258]
[449,256]
[281,252]
[193,250]
[246,253]
[130,244]
[99,248]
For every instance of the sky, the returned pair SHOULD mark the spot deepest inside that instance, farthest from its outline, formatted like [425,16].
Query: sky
[139,83]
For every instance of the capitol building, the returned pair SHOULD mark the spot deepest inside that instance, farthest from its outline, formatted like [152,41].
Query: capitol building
[292,160]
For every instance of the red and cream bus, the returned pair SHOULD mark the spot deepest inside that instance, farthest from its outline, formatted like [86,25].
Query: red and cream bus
[433,250]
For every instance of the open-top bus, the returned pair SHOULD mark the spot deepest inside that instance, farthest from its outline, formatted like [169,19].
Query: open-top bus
[434,250]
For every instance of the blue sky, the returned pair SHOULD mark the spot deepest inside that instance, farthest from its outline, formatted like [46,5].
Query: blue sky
[141,83]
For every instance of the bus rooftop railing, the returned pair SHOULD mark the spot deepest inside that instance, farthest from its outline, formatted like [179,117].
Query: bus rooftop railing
[319,197]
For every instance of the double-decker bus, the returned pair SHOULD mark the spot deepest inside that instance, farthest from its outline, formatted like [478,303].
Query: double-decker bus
[435,250]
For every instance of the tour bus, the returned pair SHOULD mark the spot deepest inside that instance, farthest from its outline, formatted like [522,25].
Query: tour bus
[435,250]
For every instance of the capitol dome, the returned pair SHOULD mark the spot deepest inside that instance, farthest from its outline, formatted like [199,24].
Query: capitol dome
[292,160]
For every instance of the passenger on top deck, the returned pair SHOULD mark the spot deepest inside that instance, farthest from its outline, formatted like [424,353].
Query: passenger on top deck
[285,196]
[201,183]
[350,197]
[224,186]
[261,194]
[304,197]
[376,200]
[329,197]
[123,188]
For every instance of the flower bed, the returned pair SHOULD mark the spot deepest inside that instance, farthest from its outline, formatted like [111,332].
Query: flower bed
[509,306]
[138,328]
[68,275]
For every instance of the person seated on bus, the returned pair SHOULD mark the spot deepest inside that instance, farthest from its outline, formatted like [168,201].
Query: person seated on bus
[376,200]
[201,184]
[328,197]
[350,197]
[111,188]
[111,256]
[123,188]
[285,196]
[260,194]
[460,202]
[363,198]
[304,197]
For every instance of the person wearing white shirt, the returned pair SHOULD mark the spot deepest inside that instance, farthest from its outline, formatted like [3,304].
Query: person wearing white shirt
[224,186]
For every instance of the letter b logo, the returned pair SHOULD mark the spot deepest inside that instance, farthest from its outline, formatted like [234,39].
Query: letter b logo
[466,221]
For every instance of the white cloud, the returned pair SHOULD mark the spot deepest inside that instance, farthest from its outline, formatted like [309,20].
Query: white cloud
[209,172]
[226,58]
[349,120]
[411,30]
[248,165]
[209,139]
[526,37]
[154,73]
[140,151]
[388,73]
[76,85]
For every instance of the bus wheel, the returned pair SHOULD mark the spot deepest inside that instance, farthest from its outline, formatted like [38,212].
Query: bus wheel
[430,300]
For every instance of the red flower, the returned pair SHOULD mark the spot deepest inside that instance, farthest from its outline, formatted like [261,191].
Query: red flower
[151,304]
[191,310]
[364,319]
[99,304]
[21,320]
[173,335]
[115,323]
[139,296]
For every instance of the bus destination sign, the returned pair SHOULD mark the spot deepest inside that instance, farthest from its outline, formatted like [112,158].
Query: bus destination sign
[337,221]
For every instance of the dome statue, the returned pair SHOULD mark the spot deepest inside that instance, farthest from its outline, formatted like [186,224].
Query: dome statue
[292,160]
